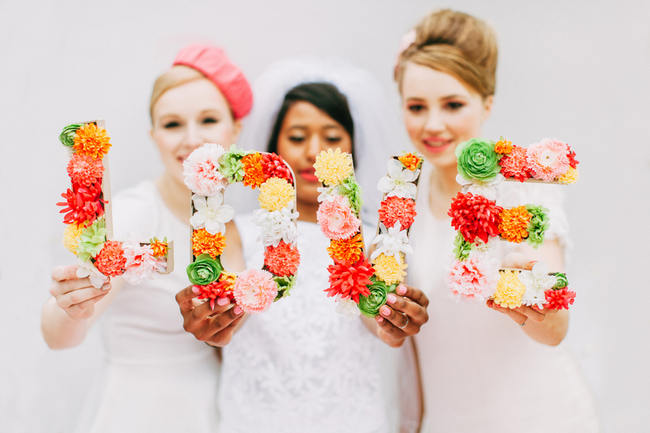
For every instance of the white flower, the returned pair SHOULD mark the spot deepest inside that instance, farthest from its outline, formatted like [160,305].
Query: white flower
[327,193]
[394,242]
[87,269]
[399,181]
[346,307]
[537,281]
[201,170]
[211,214]
[276,226]
[140,263]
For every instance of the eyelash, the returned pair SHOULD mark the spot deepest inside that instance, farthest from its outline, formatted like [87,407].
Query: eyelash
[333,140]
[455,105]
[173,124]
[416,108]
[210,120]
[296,139]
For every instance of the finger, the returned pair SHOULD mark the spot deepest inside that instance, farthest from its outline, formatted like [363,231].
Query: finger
[531,313]
[515,260]
[78,296]
[62,273]
[390,332]
[184,299]
[514,315]
[416,312]
[416,295]
[222,321]
[223,337]
[66,286]
[397,318]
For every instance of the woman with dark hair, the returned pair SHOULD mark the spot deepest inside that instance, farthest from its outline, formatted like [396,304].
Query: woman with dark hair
[302,366]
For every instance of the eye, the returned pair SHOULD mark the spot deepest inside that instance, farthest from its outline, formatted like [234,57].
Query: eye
[171,124]
[455,105]
[416,108]
[333,139]
[296,139]
[210,120]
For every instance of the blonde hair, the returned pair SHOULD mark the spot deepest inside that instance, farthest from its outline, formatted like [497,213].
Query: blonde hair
[176,76]
[458,44]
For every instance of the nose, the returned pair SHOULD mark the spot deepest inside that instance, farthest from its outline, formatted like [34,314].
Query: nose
[435,123]
[192,138]
[313,147]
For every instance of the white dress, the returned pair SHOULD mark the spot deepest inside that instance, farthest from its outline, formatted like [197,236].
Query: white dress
[480,372]
[158,378]
[301,366]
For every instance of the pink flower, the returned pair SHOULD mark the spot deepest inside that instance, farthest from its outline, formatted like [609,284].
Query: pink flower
[473,278]
[140,263]
[548,159]
[201,170]
[255,290]
[336,219]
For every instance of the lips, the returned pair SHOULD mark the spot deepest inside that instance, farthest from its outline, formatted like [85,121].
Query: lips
[436,145]
[308,175]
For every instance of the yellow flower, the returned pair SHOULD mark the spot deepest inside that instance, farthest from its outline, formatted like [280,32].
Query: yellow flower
[571,176]
[275,194]
[333,166]
[503,146]
[228,279]
[510,290]
[389,269]
[71,237]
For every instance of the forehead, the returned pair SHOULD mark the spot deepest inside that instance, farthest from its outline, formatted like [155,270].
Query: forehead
[191,98]
[305,114]
[426,83]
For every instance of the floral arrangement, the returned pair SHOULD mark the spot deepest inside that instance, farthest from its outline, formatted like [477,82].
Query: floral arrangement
[207,172]
[87,215]
[480,222]
[354,279]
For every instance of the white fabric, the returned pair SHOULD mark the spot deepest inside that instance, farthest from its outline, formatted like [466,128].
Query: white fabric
[158,378]
[301,366]
[480,372]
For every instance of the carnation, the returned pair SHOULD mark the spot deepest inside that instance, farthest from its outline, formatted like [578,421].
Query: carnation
[548,159]
[255,290]
[140,263]
[473,278]
[394,209]
[515,164]
[85,170]
[336,219]
[201,170]
[111,260]
[277,226]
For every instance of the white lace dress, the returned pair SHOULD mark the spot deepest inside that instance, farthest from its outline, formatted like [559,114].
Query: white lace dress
[157,377]
[301,366]
[480,372]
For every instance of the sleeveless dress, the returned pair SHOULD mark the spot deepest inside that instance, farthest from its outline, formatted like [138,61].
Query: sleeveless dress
[157,377]
[301,366]
[480,372]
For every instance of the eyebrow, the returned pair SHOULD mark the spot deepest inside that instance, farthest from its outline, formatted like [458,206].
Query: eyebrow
[307,127]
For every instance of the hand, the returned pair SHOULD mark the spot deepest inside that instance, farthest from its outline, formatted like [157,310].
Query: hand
[76,296]
[520,314]
[402,316]
[214,327]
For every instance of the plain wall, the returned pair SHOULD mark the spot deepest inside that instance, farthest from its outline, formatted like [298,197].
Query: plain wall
[576,70]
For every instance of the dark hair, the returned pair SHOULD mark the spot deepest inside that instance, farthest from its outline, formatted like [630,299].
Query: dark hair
[325,97]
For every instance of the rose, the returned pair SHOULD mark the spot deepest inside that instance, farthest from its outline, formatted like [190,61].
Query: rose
[477,160]
[561,280]
[204,270]
[537,225]
[370,305]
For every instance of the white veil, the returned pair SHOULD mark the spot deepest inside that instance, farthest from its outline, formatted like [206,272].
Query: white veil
[376,127]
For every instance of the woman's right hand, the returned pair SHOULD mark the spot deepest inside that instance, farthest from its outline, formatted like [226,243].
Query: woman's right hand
[76,296]
[212,326]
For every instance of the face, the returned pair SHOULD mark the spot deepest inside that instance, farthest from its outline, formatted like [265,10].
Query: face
[306,130]
[440,112]
[187,116]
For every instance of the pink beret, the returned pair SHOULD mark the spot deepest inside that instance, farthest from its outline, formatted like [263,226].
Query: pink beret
[212,62]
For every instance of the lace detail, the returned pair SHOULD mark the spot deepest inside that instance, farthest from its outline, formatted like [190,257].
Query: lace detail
[301,366]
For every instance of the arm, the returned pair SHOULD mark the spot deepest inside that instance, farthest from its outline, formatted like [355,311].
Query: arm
[544,326]
[73,307]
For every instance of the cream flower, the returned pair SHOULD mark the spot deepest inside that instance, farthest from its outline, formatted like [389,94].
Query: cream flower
[346,307]
[211,213]
[399,181]
[537,281]
[276,226]
[392,242]
[87,269]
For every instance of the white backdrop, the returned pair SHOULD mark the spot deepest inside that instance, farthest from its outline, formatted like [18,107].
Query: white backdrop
[575,70]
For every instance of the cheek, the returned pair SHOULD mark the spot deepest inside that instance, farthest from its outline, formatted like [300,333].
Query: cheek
[221,133]
[414,125]
[464,125]
[166,142]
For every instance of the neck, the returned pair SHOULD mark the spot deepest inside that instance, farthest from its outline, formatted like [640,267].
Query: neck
[307,211]
[443,188]
[176,196]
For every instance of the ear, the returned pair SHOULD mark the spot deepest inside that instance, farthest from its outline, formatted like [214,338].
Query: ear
[236,129]
[487,107]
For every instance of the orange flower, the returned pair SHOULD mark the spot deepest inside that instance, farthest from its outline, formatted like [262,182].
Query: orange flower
[92,141]
[346,251]
[503,146]
[410,160]
[159,247]
[253,170]
[206,243]
[514,224]
[227,281]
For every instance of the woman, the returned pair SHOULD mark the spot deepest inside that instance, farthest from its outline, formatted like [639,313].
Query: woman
[301,366]
[153,366]
[483,369]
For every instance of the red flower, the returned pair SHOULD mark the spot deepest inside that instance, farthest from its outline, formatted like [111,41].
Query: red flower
[85,170]
[274,166]
[395,209]
[82,205]
[282,260]
[111,260]
[474,216]
[350,281]
[573,162]
[514,164]
[559,299]
[214,290]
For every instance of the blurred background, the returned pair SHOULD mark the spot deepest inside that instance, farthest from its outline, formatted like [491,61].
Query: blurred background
[574,70]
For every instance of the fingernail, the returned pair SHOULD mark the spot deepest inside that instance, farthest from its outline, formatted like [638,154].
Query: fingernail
[379,319]
[237,310]
[391,298]
[385,311]
[401,289]
[222,301]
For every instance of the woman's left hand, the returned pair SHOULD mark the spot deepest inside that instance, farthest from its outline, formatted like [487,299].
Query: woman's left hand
[521,314]
[402,316]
